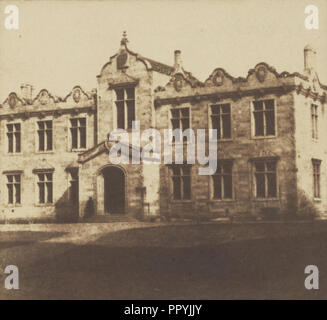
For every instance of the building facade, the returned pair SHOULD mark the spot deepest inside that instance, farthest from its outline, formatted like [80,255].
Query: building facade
[270,126]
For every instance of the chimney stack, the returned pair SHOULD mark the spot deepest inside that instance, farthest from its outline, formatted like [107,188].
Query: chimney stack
[26,91]
[178,65]
[309,59]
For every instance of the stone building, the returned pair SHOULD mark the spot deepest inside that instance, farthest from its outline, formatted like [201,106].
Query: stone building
[270,140]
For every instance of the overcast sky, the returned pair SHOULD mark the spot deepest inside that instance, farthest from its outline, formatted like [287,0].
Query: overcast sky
[62,44]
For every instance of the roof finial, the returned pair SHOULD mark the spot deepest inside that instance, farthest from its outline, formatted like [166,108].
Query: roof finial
[124,40]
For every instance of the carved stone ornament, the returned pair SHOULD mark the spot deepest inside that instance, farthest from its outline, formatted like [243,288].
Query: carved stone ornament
[77,95]
[218,79]
[44,97]
[261,73]
[12,100]
[122,60]
[178,82]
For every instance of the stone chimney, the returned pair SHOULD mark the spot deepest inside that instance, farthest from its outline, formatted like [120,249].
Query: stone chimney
[26,91]
[178,65]
[309,59]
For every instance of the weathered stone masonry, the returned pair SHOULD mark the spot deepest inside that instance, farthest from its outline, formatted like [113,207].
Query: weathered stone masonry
[54,151]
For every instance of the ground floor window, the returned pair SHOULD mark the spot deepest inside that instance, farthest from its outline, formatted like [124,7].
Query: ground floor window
[316,178]
[14,188]
[181,182]
[265,175]
[222,182]
[45,187]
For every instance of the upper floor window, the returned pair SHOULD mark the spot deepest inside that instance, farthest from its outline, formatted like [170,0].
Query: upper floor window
[180,119]
[221,120]
[14,188]
[316,178]
[265,178]
[314,121]
[14,138]
[45,135]
[125,107]
[181,178]
[264,118]
[222,181]
[78,133]
[45,186]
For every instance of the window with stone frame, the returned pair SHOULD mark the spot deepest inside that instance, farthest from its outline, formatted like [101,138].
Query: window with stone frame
[78,133]
[181,182]
[125,107]
[45,135]
[221,120]
[316,178]
[264,118]
[45,187]
[180,119]
[222,181]
[314,121]
[14,137]
[14,188]
[265,175]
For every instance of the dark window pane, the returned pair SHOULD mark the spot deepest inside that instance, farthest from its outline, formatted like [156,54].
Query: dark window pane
[119,94]
[186,170]
[176,171]
[177,188]
[175,113]
[185,124]
[49,192]
[185,112]
[17,138]
[10,193]
[41,140]
[120,115]
[74,138]
[17,192]
[258,123]
[260,185]
[271,166]
[41,192]
[226,126]
[130,113]
[270,122]
[269,104]
[175,123]
[10,142]
[82,122]
[258,105]
[82,137]
[187,187]
[228,189]
[225,108]
[130,93]
[227,167]
[260,166]
[272,186]
[73,122]
[217,187]
[214,109]
[49,139]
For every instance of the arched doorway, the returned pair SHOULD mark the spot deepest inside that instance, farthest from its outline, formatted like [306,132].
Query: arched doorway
[114,190]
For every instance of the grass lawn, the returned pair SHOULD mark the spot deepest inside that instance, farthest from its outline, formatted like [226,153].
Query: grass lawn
[206,261]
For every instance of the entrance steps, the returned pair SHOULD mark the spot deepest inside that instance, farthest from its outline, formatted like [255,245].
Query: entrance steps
[109,218]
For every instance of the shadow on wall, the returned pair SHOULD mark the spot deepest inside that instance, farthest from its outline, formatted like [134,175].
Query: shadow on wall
[66,210]
[301,206]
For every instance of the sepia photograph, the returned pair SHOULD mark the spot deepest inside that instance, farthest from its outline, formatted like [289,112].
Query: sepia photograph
[163,150]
